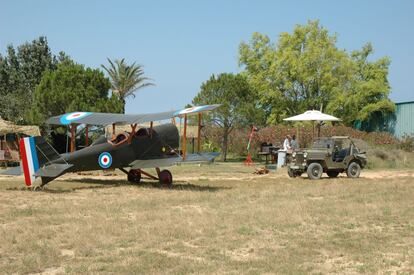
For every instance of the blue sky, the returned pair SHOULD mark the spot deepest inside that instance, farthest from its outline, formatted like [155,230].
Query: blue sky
[181,43]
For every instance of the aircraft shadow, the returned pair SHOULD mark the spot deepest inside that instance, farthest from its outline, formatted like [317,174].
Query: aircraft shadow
[103,183]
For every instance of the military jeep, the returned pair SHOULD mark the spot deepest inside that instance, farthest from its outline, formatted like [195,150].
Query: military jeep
[330,155]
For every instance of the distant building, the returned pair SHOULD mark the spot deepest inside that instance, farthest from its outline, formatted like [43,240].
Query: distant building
[399,124]
[403,121]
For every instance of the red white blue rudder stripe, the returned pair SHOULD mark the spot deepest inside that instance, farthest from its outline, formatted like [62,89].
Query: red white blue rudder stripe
[30,161]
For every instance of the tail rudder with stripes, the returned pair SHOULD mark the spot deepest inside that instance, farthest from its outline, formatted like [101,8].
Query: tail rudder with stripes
[29,159]
[35,153]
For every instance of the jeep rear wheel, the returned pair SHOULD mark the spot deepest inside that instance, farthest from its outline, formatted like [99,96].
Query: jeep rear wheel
[353,171]
[314,171]
[332,174]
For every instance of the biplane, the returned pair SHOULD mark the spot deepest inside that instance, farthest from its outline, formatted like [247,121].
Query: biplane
[131,152]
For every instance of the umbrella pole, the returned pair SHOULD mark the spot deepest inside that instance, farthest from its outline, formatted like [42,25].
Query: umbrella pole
[297,134]
[313,130]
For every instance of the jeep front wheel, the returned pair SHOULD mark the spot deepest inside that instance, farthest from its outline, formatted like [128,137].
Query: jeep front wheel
[353,171]
[315,171]
[291,173]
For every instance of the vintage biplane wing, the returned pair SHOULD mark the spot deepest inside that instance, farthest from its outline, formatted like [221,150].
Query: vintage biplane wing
[164,162]
[104,119]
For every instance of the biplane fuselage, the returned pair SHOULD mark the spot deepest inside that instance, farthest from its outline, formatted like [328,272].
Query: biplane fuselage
[157,143]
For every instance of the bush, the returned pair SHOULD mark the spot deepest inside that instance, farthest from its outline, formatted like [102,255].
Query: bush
[376,144]
[407,143]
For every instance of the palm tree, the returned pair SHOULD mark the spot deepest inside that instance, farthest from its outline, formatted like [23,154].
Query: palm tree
[126,79]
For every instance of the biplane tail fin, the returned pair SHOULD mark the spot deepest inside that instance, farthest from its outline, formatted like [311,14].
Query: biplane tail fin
[35,152]
[29,159]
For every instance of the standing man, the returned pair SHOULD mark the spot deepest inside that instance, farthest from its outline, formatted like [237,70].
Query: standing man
[293,143]
[284,155]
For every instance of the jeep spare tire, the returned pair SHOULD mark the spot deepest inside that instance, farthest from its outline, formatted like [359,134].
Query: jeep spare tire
[354,170]
[315,171]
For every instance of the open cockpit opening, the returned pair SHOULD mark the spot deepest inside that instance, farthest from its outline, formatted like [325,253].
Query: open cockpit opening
[120,138]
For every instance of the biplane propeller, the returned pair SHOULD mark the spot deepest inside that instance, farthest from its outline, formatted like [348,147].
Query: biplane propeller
[131,152]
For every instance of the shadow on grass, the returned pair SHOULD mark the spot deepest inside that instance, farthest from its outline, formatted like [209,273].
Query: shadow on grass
[85,184]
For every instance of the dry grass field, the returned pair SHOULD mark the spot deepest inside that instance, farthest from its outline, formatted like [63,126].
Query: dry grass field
[217,219]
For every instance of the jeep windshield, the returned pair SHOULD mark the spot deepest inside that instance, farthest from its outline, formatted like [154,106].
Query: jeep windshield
[323,143]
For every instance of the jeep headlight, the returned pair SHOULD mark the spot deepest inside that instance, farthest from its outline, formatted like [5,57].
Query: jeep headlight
[305,155]
[293,154]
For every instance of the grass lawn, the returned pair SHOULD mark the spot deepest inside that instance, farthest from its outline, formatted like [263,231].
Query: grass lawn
[217,219]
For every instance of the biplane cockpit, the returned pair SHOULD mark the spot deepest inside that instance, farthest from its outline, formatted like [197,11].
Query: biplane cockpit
[120,138]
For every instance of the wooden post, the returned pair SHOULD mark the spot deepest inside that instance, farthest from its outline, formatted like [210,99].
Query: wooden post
[185,137]
[199,134]
[72,138]
[87,136]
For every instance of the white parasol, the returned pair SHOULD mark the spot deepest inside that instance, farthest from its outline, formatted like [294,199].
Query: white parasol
[312,115]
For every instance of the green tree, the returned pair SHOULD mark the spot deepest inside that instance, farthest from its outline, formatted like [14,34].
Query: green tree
[21,70]
[367,99]
[305,70]
[239,106]
[126,79]
[72,87]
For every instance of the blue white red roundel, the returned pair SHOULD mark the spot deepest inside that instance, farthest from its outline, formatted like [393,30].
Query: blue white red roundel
[72,117]
[190,110]
[105,160]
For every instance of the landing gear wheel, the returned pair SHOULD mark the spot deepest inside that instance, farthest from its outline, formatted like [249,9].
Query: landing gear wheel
[37,188]
[134,176]
[332,174]
[165,177]
[353,171]
[315,171]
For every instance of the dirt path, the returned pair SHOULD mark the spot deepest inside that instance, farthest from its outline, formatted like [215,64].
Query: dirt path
[232,176]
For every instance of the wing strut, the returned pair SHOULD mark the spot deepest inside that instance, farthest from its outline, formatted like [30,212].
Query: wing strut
[72,138]
[133,131]
[113,130]
[86,135]
[185,137]
[151,126]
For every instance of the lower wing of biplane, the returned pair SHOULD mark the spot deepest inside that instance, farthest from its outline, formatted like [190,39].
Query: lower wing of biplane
[169,161]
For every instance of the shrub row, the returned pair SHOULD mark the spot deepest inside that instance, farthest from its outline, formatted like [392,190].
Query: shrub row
[276,134]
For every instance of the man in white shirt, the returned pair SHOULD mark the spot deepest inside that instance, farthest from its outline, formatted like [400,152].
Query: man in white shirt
[286,143]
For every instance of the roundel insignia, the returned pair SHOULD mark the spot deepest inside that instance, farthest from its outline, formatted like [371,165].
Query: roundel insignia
[72,117]
[189,110]
[105,160]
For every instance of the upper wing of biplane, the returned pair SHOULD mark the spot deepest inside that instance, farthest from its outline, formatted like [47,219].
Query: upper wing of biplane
[103,119]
